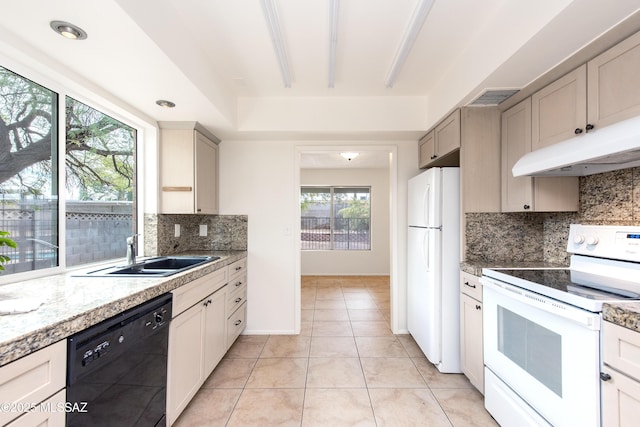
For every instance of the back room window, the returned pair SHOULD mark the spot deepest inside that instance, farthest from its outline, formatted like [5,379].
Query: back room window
[335,218]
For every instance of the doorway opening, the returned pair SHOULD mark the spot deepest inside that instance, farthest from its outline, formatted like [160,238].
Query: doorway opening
[338,284]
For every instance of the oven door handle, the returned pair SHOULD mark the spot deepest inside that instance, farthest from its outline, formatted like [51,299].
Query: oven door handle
[585,318]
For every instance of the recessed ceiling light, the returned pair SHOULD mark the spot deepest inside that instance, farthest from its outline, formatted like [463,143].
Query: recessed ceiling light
[349,156]
[68,30]
[164,103]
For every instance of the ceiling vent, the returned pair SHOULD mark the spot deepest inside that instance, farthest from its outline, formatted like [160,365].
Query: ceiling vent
[493,96]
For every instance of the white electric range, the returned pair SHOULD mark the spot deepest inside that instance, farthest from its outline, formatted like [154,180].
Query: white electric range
[542,329]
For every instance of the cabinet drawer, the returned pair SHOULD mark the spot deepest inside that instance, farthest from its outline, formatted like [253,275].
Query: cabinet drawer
[237,268]
[236,324]
[470,285]
[621,349]
[235,298]
[237,283]
[189,294]
[33,378]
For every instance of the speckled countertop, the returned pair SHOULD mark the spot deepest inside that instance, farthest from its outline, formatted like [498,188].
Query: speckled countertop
[72,304]
[475,268]
[626,314]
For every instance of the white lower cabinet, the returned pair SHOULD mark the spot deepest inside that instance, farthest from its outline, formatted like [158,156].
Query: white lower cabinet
[215,331]
[471,357]
[236,301]
[196,338]
[620,376]
[186,360]
[208,315]
[49,414]
[35,380]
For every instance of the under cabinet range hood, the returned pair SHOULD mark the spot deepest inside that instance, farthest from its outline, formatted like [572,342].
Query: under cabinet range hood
[613,147]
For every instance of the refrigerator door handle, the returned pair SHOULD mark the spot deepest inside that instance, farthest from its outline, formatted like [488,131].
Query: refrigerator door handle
[425,251]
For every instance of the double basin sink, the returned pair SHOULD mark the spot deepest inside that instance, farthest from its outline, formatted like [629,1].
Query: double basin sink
[152,267]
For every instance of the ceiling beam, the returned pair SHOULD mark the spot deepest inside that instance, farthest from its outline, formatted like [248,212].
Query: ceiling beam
[409,37]
[273,24]
[334,11]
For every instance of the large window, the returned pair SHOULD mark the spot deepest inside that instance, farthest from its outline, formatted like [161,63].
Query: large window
[98,174]
[335,218]
[100,185]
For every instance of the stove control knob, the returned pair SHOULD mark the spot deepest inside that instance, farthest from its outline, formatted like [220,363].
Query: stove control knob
[578,239]
[592,240]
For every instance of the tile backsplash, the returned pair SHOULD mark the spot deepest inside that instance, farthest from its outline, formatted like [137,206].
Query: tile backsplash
[611,198]
[224,233]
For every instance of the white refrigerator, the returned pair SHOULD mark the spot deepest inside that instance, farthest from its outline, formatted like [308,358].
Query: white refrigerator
[433,294]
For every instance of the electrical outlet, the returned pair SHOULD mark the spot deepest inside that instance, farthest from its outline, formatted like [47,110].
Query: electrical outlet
[176,228]
[203,229]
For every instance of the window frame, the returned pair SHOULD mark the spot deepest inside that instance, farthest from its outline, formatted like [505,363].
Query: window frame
[65,86]
[331,189]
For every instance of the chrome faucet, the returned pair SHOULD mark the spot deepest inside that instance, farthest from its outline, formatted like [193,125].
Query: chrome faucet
[131,249]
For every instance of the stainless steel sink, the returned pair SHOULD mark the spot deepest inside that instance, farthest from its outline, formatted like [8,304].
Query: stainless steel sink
[152,267]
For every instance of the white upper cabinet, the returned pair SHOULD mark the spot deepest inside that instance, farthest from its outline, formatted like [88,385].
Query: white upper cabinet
[559,111]
[614,84]
[206,182]
[440,146]
[426,149]
[597,94]
[525,193]
[447,135]
[517,193]
[188,169]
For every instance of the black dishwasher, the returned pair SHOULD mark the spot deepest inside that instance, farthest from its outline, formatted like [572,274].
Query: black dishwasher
[117,369]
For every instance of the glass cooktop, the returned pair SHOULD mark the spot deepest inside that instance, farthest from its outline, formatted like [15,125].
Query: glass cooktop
[579,288]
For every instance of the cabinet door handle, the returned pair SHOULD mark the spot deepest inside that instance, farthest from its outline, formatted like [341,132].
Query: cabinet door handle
[238,284]
[238,268]
[434,156]
[238,322]
[589,127]
[478,307]
[578,131]
[604,376]
[238,300]
[526,207]
[176,188]
[469,285]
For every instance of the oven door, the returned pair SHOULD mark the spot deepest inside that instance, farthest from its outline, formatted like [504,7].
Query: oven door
[547,352]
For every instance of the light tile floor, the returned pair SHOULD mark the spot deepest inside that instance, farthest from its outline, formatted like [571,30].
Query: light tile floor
[346,368]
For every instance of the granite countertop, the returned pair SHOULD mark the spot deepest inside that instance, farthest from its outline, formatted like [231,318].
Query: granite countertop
[625,314]
[475,267]
[72,304]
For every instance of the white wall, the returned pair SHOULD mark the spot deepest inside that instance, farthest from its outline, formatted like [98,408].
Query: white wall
[374,262]
[260,179]
[256,179]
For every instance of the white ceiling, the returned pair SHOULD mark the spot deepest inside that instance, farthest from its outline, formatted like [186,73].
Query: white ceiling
[215,59]
[333,160]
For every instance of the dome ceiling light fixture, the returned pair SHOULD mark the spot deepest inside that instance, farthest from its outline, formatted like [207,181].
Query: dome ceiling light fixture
[67,30]
[164,103]
[349,156]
